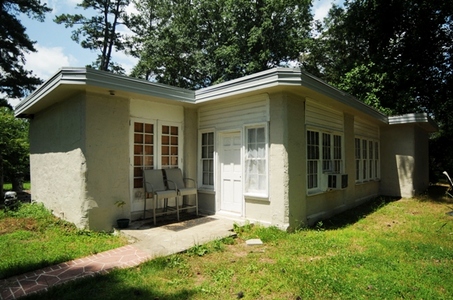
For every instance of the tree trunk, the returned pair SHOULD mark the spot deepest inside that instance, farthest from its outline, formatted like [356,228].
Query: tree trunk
[18,183]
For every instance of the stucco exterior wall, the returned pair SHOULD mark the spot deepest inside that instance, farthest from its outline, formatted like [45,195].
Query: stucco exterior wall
[107,159]
[405,163]
[279,161]
[296,161]
[397,160]
[58,162]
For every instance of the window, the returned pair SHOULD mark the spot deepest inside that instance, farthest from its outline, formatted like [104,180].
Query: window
[207,159]
[337,154]
[367,159]
[143,150]
[169,146]
[312,159]
[357,159]
[376,160]
[364,159]
[256,160]
[326,153]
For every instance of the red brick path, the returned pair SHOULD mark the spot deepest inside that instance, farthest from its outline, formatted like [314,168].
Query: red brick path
[40,280]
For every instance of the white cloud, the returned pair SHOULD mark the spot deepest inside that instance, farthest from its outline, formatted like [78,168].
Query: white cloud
[322,7]
[47,60]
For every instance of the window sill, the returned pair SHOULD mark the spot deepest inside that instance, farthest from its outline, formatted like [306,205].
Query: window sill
[315,192]
[367,181]
[203,190]
[257,198]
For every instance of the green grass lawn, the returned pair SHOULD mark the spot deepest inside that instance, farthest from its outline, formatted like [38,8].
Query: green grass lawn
[9,186]
[32,238]
[383,250]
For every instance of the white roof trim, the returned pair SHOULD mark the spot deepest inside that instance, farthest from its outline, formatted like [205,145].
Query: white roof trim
[81,78]
[415,118]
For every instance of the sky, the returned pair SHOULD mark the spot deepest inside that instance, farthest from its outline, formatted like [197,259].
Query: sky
[56,49]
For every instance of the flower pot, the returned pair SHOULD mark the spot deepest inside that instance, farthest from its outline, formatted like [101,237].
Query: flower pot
[123,223]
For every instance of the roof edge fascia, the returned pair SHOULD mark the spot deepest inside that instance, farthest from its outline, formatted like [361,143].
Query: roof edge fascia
[90,77]
[140,86]
[39,93]
[260,80]
[414,118]
[323,87]
[285,77]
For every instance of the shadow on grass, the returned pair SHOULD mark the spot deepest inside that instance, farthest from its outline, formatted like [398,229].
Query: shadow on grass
[118,284]
[435,193]
[355,214]
[438,193]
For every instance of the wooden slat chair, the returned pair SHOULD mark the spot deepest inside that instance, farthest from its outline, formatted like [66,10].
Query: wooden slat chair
[155,185]
[183,189]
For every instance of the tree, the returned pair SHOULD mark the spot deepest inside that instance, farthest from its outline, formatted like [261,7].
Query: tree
[15,80]
[404,45]
[99,32]
[14,149]
[394,55]
[212,41]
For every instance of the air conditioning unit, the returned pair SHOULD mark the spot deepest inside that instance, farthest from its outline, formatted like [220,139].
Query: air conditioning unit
[337,181]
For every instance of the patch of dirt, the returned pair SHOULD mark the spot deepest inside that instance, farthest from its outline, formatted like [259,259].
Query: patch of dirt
[9,225]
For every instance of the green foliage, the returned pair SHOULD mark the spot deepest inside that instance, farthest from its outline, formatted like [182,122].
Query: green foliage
[15,80]
[14,147]
[395,55]
[99,32]
[32,238]
[199,250]
[208,42]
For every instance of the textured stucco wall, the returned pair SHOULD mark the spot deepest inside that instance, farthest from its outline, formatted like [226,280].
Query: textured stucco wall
[278,161]
[397,160]
[107,159]
[296,156]
[57,160]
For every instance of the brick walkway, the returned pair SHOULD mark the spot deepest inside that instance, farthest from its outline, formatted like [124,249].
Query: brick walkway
[41,280]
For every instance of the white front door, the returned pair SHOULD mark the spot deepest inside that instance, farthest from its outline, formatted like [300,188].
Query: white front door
[231,173]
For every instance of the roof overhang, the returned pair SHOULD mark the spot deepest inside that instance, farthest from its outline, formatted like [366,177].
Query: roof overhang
[420,119]
[68,81]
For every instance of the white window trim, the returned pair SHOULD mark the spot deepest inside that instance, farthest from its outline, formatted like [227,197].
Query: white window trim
[200,163]
[322,180]
[265,125]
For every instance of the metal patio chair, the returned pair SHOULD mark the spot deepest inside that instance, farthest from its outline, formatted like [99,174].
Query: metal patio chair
[156,185]
[175,175]
[450,190]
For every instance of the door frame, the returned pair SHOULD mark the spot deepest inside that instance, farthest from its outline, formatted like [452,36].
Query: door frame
[219,192]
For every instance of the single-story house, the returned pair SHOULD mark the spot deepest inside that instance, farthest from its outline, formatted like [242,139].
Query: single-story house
[279,147]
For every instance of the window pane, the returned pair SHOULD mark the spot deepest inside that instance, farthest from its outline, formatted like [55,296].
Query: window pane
[207,158]
[143,150]
[255,160]
[357,149]
[138,127]
[165,129]
[149,128]
[260,137]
